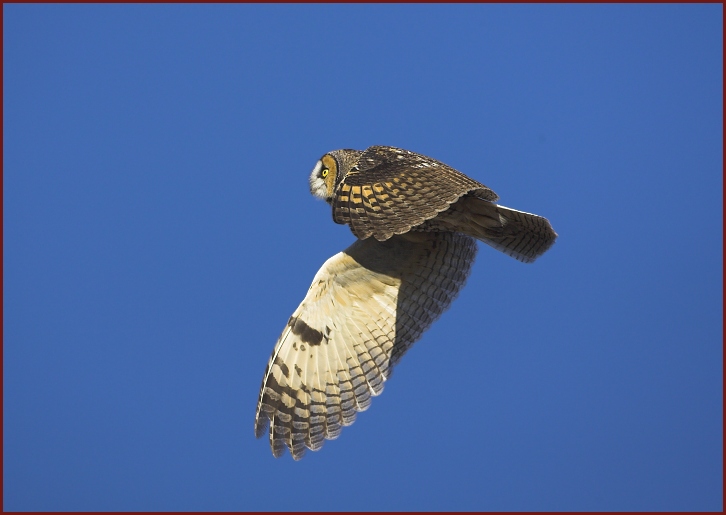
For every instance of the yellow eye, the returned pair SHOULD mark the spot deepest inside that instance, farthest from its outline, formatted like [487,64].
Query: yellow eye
[324,173]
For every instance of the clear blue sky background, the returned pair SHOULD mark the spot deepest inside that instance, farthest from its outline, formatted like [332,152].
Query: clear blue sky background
[159,232]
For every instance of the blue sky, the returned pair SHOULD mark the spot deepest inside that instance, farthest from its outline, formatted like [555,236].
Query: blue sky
[159,232]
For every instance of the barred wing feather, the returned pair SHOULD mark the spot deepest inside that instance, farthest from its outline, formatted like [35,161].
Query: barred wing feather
[365,308]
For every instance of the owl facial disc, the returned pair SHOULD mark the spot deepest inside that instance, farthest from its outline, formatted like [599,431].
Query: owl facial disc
[323,178]
[317,183]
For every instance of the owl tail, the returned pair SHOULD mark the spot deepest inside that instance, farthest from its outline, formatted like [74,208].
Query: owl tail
[521,235]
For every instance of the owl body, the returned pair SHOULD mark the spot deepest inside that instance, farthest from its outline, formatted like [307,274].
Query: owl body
[416,221]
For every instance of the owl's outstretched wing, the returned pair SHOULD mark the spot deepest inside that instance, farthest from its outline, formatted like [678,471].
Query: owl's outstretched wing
[366,306]
[391,190]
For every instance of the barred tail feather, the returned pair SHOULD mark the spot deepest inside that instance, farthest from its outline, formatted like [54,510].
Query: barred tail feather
[523,236]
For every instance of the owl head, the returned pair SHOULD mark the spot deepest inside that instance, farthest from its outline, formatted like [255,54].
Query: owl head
[330,170]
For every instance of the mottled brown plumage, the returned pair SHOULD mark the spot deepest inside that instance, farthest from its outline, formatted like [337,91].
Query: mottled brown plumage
[415,219]
[391,190]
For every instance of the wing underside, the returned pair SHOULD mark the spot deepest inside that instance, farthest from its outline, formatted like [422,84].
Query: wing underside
[366,306]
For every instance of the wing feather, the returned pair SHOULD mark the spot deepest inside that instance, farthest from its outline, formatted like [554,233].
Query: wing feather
[391,190]
[366,306]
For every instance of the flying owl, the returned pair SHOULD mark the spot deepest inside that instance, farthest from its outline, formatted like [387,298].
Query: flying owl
[416,221]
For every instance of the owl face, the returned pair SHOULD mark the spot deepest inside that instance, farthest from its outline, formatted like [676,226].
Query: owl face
[330,170]
[323,178]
